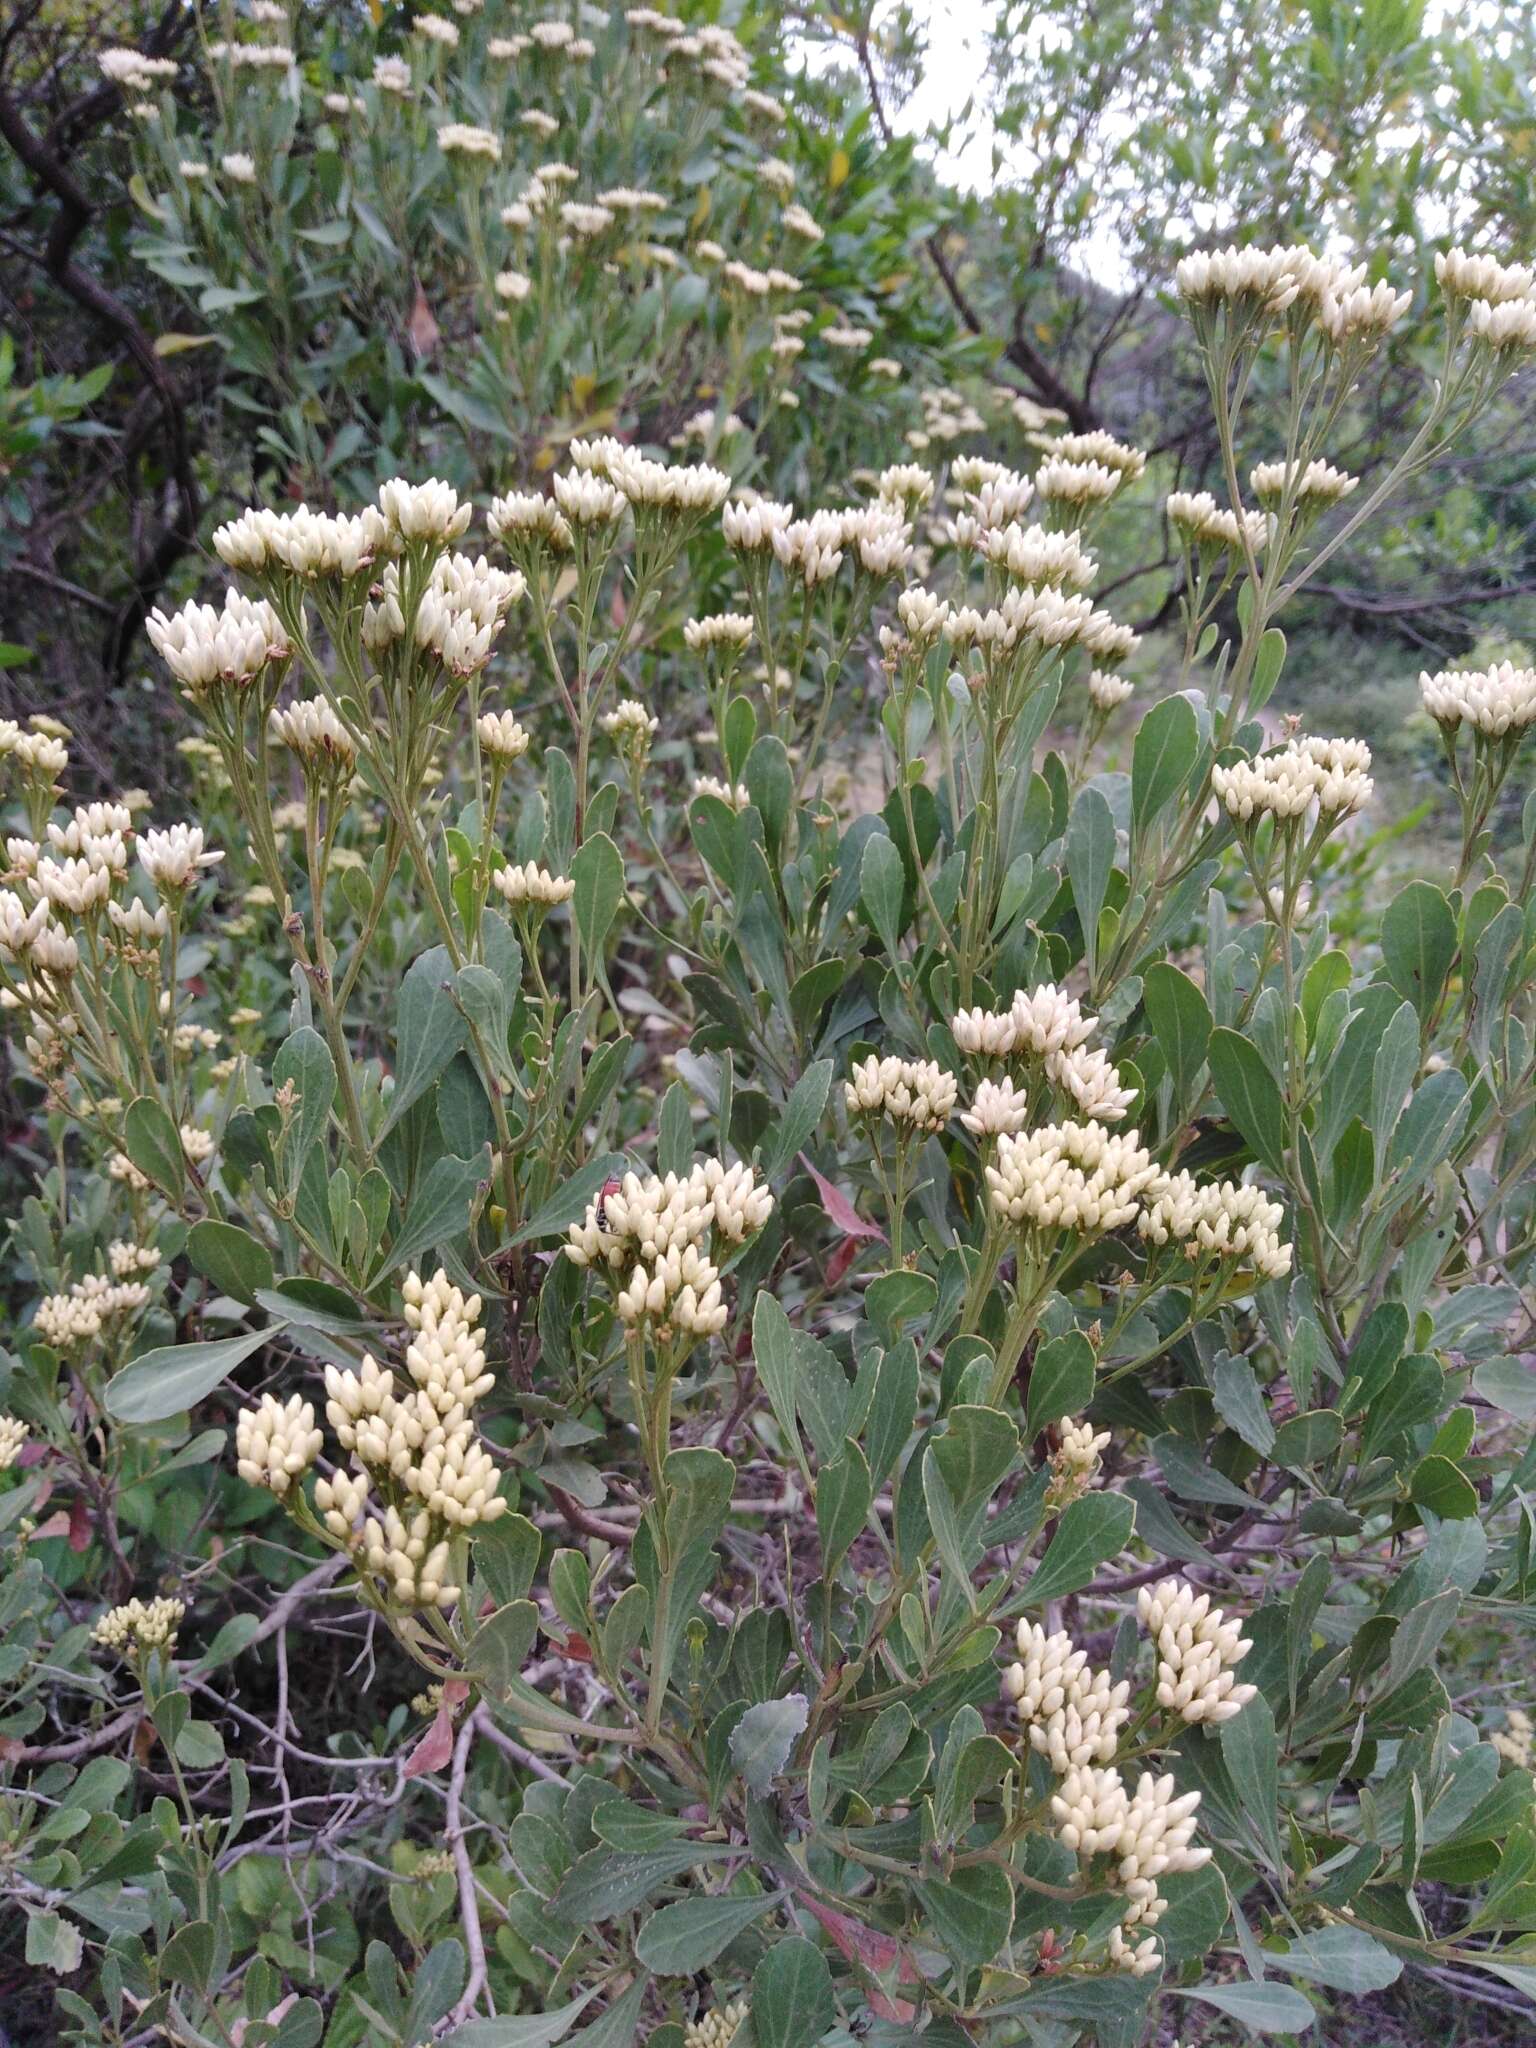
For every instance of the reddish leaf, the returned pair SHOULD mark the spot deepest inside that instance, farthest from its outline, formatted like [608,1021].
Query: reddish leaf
[841,1260]
[423,328]
[875,1952]
[838,1207]
[79,1525]
[57,1524]
[434,1752]
[577,1648]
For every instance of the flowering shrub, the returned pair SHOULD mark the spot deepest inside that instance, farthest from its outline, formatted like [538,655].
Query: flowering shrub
[814,1304]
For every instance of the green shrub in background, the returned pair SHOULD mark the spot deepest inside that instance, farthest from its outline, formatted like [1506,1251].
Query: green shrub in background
[723,1344]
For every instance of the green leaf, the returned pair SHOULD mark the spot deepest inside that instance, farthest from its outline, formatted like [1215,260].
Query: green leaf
[570,1201]
[231,1258]
[774,1355]
[763,1738]
[1343,1958]
[699,1484]
[1240,1403]
[188,1957]
[977,1448]
[1251,1753]
[165,1382]
[429,1029]
[1418,945]
[1267,2008]
[689,1935]
[1092,1530]
[1090,859]
[791,1130]
[439,1211]
[1266,669]
[499,1648]
[1061,1380]
[792,2001]
[598,872]
[1180,1018]
[972,1914]
[1167,746]
[1249,1094]
[674,1131]
[606,1882]
[1509,1384]
[54,1943]
[882,883]
[535,2030]
[844,1490]
[1440,1485]
[153,1143]
[1307,1439]
[892,1409]
[304,1064]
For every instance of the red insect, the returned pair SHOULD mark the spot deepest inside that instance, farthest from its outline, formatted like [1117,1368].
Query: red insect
[609,1187]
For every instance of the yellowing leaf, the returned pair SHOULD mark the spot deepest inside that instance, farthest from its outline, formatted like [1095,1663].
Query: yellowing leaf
[701,207]
[546,457]
[582,388]
[173,344]
[838,169]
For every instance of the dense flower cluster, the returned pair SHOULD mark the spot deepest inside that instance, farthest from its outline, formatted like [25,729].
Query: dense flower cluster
[1198,1652]
[666,1239]
[918,1094]
[1493,701]
[138,1626]
[1305,776]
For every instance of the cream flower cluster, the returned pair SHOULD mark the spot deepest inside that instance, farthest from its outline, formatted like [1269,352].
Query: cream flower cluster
[136,1627]
[1048,1025]
[133,70]
[736,794]
[13,1436]
[1044,618]
[915,1093]
[173,857]
[1223,1221]
[1106,690]
[528,521]
[1494,701]
[302,543]
[1070,1177]
[1332,775]
[717,2029]
[529,884]
[658,486]
[1102,448]
[1197,514]
[1039,555]
[630,726]
[1317,485]
[1198,1652]
[276,1442]
[1072,1716]
[1075,1463]
[66,1321]
[667,1234]
[420,1448]
[310,728]
[501,735]
[1462,275]
[1515,1740]
[1077,483]
[201,645]
[719,629]
[996,1107]
[1147,1834]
